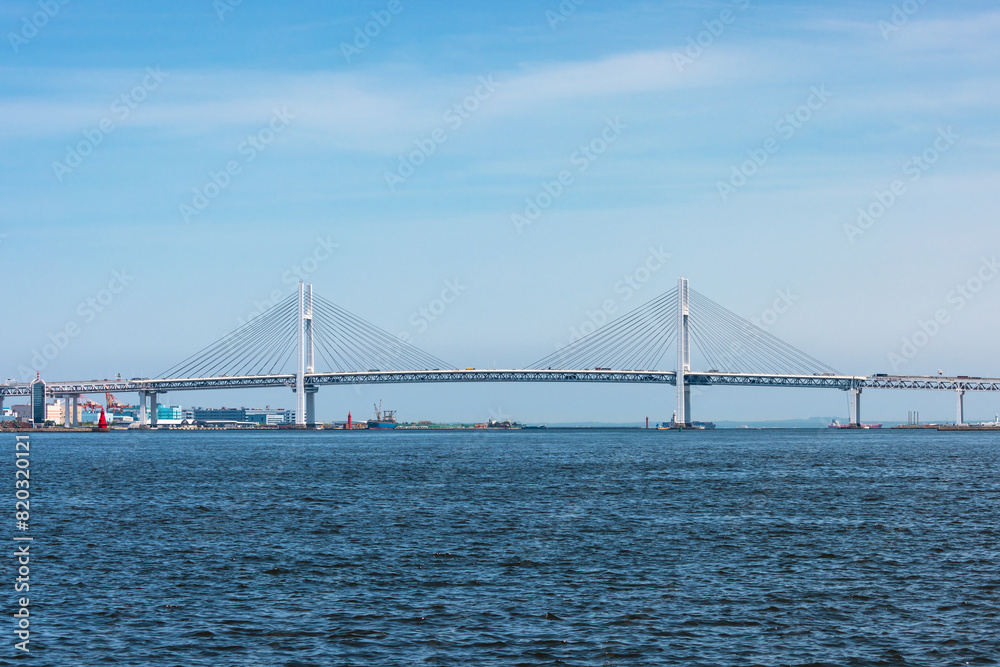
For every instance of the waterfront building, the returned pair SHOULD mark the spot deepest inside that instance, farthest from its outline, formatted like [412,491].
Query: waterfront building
[262,416]
[37,402]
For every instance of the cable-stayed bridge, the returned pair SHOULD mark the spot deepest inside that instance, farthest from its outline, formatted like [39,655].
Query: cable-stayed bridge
[289,344]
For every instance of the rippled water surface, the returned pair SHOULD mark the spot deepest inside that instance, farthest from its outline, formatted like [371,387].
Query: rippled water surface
[514,548]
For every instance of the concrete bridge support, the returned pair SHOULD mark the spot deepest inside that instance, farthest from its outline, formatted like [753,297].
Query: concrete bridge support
[960,408]
[311,405]
[67,412]
[855,406]
[143,420]
[153,408]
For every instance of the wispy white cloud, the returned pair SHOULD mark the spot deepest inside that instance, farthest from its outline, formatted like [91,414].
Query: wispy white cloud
[969,34]
[376,109]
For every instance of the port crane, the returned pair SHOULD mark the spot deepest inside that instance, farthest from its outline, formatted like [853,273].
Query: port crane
[115,406]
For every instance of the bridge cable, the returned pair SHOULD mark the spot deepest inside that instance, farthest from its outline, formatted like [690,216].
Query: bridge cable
[368,343]
[630,341]
[231,344]
[745,340]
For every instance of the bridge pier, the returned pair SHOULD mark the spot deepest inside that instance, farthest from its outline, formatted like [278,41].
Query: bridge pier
[76,413]
[960,408]
[142,409]
[153,405]
[855,405]
[67,412]
[311,405]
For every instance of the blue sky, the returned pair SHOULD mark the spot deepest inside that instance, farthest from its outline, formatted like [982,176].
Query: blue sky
[164,97]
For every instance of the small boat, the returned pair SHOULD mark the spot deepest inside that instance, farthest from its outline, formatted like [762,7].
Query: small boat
[694,426]
[836,424]
[507,423]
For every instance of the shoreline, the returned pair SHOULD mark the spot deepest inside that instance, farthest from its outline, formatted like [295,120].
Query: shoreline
[430,429]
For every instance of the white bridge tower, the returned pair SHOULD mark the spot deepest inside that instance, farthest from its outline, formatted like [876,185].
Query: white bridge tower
[683,414]
[305,397]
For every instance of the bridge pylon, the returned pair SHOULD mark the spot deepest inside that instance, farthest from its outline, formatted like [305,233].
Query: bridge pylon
[683,413]
[305,397]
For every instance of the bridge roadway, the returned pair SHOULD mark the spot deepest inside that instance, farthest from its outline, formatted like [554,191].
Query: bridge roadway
[843,382]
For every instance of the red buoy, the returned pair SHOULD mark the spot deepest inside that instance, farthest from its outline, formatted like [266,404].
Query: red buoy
[102,422]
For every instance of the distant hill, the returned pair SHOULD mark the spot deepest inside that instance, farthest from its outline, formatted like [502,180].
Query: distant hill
[812,422]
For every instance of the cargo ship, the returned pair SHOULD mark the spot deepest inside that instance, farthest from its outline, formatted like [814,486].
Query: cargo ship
[384,419]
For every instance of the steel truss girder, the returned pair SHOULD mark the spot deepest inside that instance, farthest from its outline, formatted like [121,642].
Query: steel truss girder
[843,382]
[763,380]
[395,377]
[936,383]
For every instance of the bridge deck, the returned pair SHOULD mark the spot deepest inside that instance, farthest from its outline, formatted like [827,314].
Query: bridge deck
[824,381]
